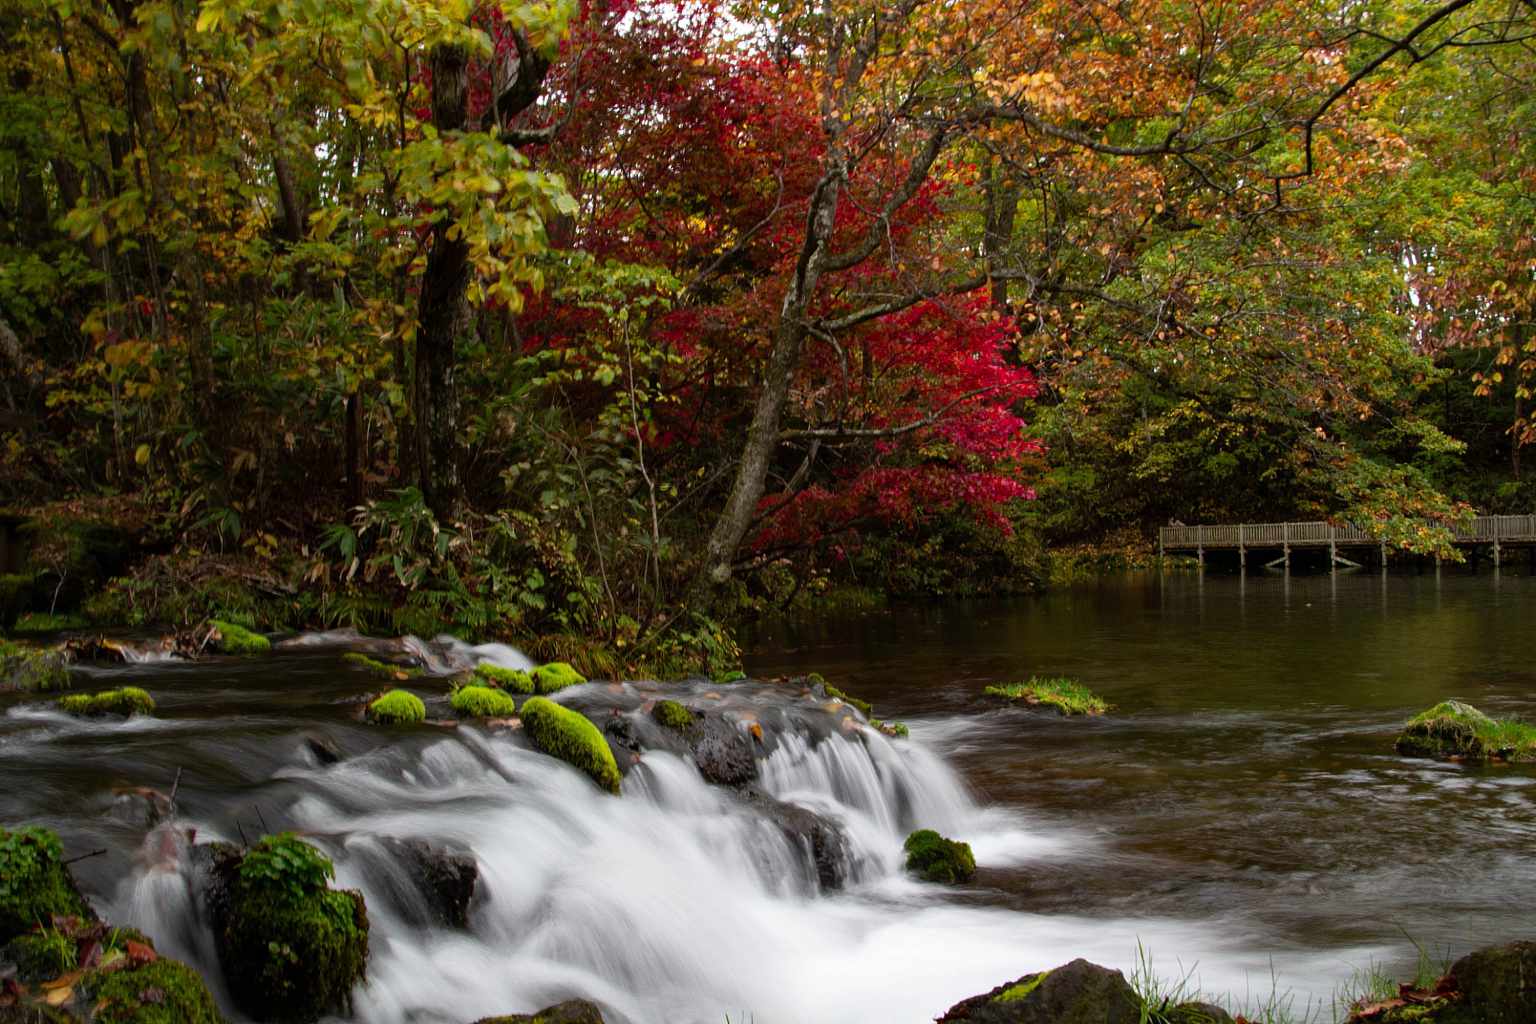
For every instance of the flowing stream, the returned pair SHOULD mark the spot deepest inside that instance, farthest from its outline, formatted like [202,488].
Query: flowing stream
[1240,817]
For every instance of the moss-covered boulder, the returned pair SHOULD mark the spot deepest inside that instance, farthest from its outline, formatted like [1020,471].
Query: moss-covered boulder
[512,680]
[383,669]
[482,702]
[159,992]
[556,676]
[570,736]
[40,954]
[672,715]
[572,1011]
[397,707]
[125,701]
[231,638]
[935,859]
[1454,729]
[1497,985]
[31,669]
[34,883]
[1075,993]
[1194,1013]
[291,947]
[1064,696]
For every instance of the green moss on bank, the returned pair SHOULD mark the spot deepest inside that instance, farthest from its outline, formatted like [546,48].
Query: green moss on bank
[31,670]
[34,884]
[43,623]
[291,946]
[935,859]
[40,955]
[482,702]
[1454,729]
[127,700]
[1067,696]
[672,715]
[160,992]
[570,736]
[233,639]
[397,707]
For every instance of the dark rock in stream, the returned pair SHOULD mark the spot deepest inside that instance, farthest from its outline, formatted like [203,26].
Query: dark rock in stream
[572,1011]
[822,841]
[1497,986]
[722,751]
[140,807]
[1075,993]
[323,750]
[445,878]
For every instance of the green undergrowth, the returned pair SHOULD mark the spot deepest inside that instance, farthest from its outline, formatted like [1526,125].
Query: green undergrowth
[43,623]
[1454,729]
[31,669]
[1065,695]
[127,700]
[570,736]
[397,707]
[482,702]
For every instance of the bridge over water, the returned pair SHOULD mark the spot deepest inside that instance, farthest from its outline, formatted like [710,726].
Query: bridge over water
[1497,533]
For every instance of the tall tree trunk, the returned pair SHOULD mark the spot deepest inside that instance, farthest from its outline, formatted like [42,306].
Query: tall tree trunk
[443,314]
[763,435]
[1002,210]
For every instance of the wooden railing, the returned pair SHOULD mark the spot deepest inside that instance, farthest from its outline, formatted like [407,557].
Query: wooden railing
[1482,530]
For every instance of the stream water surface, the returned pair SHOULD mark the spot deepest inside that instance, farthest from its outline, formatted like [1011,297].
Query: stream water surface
[1240,816]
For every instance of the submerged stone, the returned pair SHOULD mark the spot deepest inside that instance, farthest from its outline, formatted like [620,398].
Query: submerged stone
[445,878]
[723,753]
[1076,993]
[935,859]
[572,1011]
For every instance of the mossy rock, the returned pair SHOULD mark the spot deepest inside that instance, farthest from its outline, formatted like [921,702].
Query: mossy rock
[40,955]
[34,883]
[32,670]
[230,638]
[1076,993]
[397,707]
[864,707]
[291,947]
[1065,696]
[1497,986]
[511,679]
[125,701]
[379,668]
[572,1011]
[556,676]
[482,702]
[1196,1013]
[897,730]
[160,992]
[1454,729]
[935,859]
[672,715]
[570,736]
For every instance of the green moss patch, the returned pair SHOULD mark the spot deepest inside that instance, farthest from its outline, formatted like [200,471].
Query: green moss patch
[570,736]
[32,670]
[34,884]
[935,859]
[1014,993]
[511,679]
[1454,729]
[864,707]
[896,729]
[672,715]
[40,623]
[379,668]
[1067,696]
[482,702]
[291,946]
[127,700]
[40,955]
[555,676]
[159,992]
[234,639]
[397,707]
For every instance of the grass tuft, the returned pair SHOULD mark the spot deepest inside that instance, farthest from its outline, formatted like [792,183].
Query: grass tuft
[1067,696]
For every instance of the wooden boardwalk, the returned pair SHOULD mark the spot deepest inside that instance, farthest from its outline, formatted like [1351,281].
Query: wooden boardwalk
[1495,532]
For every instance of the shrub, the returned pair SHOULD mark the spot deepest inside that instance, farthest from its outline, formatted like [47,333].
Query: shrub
[397,707]
[482,702]
[128,700]
[570,736]
[936,859]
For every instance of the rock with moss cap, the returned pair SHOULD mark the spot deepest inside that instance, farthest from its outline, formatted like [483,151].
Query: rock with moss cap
[513,680]
[159,992]
[1454,729]
[232,638]
[482,702]
[570,736]
[291,947]
[31,669]
[1076,993]
[397,707]
[572,1011]
[672,715]
[556,676]
[35,885]
[935,859]
[127,700]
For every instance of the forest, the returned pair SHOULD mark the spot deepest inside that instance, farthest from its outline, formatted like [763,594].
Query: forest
[599,327]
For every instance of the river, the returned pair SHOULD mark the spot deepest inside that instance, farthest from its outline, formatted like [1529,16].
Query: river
[1240,816]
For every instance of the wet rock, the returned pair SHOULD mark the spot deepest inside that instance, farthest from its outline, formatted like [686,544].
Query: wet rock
[572,1011]
[31,670]
[446,878]
[623,740]
[1497,985]
[1197,1013]
[140,807]
[723,753]
[323,750]
[821,840]
[1076,993]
